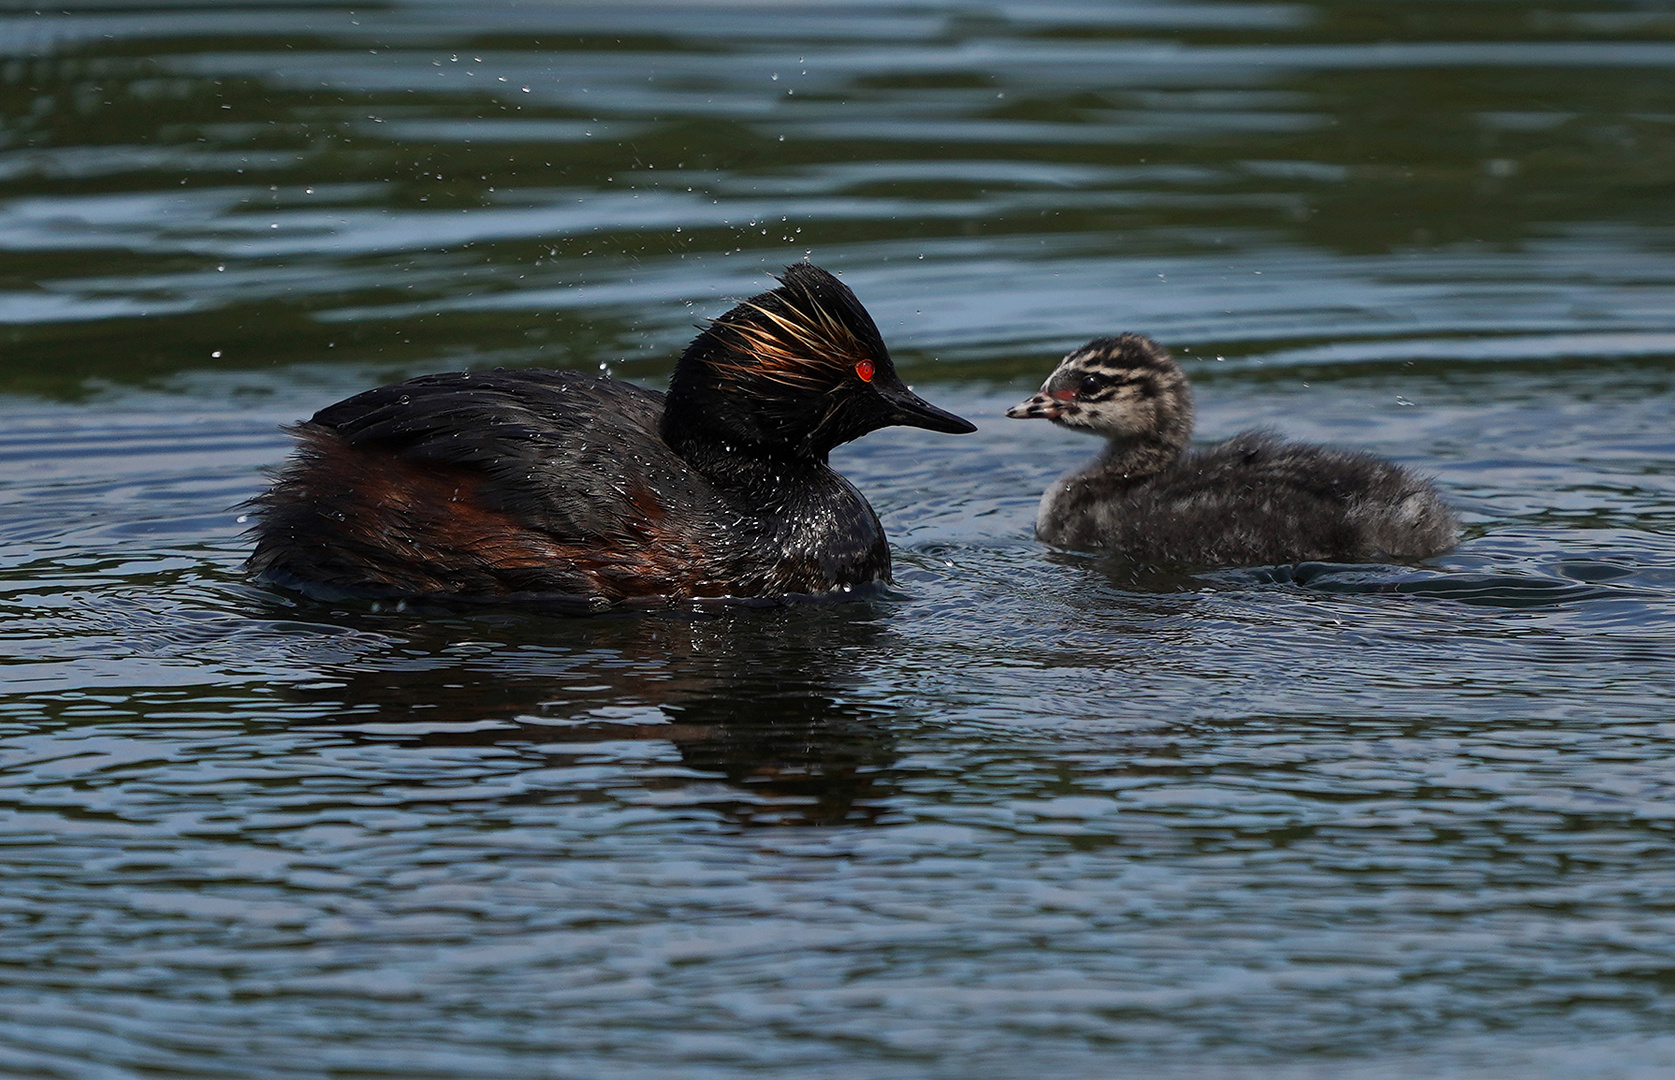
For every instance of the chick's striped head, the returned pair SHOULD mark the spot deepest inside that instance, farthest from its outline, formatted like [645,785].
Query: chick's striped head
[1121,387]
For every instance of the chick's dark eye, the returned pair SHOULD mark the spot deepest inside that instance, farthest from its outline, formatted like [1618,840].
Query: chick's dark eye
[1091,384]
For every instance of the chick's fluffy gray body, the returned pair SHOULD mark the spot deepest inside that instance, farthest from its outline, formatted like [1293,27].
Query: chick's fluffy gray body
[1252,500]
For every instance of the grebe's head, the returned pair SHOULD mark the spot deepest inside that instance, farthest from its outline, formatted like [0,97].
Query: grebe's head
[798,369]
[1125,388]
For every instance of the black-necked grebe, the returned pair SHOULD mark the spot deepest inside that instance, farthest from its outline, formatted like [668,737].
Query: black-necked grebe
[1253,500]
[482,484]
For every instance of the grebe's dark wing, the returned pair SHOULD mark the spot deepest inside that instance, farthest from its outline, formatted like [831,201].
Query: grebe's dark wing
[573,454]
[465,417]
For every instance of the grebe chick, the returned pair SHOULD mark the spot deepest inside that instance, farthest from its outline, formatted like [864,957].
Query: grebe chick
[1254,500]
[595,491]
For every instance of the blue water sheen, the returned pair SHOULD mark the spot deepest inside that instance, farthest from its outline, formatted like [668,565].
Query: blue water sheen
[1030,811]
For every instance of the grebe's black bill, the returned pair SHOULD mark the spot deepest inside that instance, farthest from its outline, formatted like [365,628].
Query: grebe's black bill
[914,411]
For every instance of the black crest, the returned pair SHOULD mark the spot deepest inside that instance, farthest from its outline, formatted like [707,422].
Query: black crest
[808,333]
[780,365]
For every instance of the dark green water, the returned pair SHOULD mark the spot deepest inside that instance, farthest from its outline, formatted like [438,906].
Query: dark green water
[1026,816]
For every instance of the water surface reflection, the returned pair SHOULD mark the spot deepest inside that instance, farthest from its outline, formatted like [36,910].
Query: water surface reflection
[768,711]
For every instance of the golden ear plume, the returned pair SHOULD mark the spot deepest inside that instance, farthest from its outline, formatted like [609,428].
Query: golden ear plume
[803,346]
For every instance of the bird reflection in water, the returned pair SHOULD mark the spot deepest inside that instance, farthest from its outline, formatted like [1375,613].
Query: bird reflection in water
[759,704]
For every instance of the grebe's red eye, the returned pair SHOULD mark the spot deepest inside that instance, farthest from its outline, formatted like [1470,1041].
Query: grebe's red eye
[864,370]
